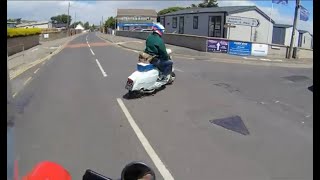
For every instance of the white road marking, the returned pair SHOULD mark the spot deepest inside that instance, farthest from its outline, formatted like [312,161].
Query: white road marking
[145,143]
[277,60]
[249,58]
[29,79]
[178,70]
[36,71]
[265,59]
[34,49]
[14,94]
[101,69]
[91,51]
[89,45]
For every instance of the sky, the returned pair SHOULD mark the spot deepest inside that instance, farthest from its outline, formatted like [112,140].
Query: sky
[93,11]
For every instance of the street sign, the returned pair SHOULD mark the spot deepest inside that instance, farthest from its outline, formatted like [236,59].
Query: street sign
[217,45]
[240,48]
[229,26]
[244,21]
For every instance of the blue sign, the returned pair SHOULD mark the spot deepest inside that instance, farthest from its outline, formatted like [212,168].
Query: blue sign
[216,45]
[240,48]
[304,14]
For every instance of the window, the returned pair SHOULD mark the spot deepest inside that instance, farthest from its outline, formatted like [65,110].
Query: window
[195,22]
[174,22]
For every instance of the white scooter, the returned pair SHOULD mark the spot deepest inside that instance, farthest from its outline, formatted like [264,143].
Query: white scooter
[145,80]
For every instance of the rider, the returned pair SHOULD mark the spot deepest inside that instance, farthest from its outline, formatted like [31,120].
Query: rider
[156,46]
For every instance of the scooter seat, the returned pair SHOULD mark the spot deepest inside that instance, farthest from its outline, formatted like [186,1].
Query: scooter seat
[143,67]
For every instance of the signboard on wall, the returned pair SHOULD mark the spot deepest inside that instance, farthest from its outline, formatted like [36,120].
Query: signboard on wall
[240,48]
[217,45]
[259,49]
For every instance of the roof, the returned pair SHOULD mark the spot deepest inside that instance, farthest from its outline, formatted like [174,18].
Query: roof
[79,26]
[223,9]
[303,31]
[32,23]
[282,25]
[136,12]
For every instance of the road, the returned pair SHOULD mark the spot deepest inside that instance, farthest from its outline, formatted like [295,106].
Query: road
[69,112]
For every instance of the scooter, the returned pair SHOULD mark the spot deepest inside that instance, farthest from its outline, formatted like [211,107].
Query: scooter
[48,170]
[145,80]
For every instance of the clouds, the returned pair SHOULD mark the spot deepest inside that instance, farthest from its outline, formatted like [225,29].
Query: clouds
[94,10]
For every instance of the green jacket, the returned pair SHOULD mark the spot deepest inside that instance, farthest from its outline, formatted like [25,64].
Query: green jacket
[155,46]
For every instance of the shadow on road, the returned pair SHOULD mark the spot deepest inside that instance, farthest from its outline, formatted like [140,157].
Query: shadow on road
[136,95]
[310,88]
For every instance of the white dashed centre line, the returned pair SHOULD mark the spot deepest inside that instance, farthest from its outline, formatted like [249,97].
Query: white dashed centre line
[29,79]
[36,71]
[101,69]
[145,143]
[91,51]
[178,70]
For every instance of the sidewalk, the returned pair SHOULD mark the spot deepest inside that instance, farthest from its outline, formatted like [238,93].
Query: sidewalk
[139,45]
[22,61]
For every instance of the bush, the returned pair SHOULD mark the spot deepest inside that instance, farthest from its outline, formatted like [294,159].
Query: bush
[16,32]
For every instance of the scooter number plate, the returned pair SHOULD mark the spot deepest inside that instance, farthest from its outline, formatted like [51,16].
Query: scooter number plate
[129,85]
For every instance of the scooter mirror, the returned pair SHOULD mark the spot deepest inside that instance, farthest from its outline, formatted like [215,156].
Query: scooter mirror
[137,171]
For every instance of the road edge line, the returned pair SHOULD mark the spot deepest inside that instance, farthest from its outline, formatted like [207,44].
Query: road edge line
[145,143]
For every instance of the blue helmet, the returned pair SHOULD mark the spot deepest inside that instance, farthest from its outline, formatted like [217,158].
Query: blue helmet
[158,28]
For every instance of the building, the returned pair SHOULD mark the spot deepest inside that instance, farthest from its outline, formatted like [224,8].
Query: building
[282,35]
[129,19]
[11,24]
[40,24]
[79,27]
[210,22]
[305,39]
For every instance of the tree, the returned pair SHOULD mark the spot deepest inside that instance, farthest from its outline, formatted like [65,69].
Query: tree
[86,25]
[92,28]
[193,5]
[61,19]
[208,3]
[110,23]
[169,10]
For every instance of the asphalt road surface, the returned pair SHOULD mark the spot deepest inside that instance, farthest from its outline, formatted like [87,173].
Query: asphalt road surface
[71,110]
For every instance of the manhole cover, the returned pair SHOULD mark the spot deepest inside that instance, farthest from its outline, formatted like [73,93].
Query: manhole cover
[296,78]
[233,123]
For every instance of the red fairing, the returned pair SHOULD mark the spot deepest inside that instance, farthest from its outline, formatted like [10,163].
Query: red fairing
[47,170]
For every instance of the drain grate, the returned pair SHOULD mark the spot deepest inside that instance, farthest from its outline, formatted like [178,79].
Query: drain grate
[296,78]
[233,123]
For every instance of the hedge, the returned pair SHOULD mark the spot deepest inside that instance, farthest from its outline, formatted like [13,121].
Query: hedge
[16,32]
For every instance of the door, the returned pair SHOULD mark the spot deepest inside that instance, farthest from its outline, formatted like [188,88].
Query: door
[215,26]
[181,25]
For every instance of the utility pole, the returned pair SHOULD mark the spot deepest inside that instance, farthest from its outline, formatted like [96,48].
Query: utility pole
[75,17]
[68,17]
[102,28]
[294,28]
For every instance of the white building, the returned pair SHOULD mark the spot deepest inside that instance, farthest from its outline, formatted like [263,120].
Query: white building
[305,39]
[282,35]
[210,22]
[79,27]
[40,24]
